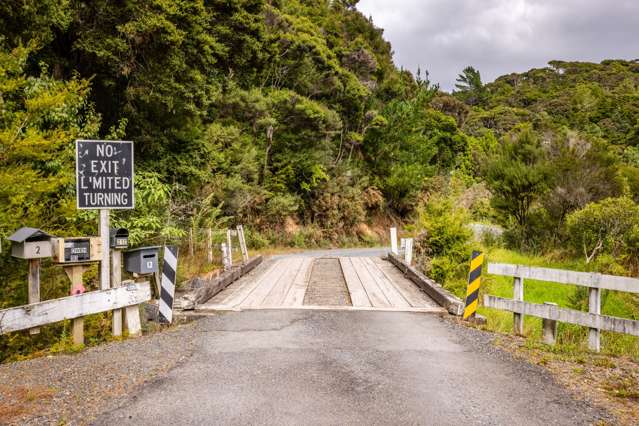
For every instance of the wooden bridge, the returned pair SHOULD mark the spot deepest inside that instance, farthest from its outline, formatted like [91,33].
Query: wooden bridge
[325,282]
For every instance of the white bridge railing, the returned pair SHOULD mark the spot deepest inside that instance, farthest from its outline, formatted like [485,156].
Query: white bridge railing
[551,313]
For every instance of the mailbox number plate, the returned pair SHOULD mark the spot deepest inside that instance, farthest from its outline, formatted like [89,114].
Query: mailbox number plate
[77,251]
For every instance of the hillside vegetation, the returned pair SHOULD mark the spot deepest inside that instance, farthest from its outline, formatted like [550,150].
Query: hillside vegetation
[290,117]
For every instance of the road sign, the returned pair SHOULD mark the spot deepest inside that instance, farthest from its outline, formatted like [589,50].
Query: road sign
[104,174]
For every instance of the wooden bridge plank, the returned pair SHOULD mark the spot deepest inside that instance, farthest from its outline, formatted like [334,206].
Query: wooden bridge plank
[413,295]
[279,291]
[295,295]
[239,296]
[386,286]
[257,296]
[354,284]
[374,293]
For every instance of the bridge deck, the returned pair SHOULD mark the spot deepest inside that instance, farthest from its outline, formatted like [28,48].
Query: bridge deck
[344,283]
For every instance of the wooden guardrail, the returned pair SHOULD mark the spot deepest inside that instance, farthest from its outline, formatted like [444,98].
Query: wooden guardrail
[37,314]
[552,313]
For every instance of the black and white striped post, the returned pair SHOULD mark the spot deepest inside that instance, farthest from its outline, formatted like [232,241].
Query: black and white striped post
[167,291]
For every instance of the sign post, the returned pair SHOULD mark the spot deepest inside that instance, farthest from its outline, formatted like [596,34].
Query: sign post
[104,181]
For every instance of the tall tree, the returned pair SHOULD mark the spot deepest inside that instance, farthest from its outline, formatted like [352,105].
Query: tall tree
[470,87]
[518,175]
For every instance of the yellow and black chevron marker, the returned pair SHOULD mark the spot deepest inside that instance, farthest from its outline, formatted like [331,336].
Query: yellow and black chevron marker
[474,279]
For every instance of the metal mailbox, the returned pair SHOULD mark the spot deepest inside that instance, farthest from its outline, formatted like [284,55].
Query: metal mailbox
[77,249]
[30,243]
[119,238]
[143,260]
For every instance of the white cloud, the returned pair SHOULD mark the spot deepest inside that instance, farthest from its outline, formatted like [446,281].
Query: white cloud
[503,36]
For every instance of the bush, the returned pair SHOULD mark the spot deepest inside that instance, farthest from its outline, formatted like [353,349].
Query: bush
[605,227]
[443,246]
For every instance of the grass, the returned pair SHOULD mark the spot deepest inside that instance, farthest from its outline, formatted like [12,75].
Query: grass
[572,339]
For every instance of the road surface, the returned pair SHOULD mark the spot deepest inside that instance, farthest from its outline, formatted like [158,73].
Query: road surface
[348,367]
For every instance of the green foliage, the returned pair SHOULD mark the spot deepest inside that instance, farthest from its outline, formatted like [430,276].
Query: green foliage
[518,175]
[411,143]
[610,226]
[443,245]
[470,87]
[40,118]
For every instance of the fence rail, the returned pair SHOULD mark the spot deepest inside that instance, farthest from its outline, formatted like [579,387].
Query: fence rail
[552,313]
[77,306]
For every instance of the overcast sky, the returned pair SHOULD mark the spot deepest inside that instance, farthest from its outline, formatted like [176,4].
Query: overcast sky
[503,36]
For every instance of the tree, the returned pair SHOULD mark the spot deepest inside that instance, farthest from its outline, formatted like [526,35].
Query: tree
[517,174]
[412,142]
[583,171]
[470,87]
[39,119]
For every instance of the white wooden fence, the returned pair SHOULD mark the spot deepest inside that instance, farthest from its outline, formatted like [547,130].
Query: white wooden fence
[551,313]
[37,314]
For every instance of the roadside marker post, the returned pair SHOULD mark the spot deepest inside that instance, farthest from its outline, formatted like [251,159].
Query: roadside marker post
[240,236]
[169,275]
[408,251]
[474,280]
[229,246]
[393,238]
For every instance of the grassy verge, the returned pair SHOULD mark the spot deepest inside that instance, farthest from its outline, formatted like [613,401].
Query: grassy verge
[571,338]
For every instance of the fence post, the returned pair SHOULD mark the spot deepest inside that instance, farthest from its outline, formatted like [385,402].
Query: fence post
[393,238]
[209,245]
[550,328]
[518,319]
[594,307]
[75,273]
[34,286]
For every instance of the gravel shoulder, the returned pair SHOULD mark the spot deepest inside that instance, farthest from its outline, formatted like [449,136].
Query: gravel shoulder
[73,389]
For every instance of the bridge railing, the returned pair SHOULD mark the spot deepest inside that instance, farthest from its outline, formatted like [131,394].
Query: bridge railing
[551,313]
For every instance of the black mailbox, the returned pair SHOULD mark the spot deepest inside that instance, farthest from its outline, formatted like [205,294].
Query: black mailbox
[119,238]
[143,260]
[77,250]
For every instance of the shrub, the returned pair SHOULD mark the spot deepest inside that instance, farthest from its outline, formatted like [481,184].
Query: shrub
[443,246]
[605,227]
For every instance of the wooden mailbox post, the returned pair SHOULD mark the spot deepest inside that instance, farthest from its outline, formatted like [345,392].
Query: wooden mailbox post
[75,255]
[32,244]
